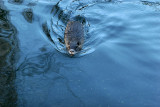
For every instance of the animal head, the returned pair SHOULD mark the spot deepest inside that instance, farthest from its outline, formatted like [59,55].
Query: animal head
[73,46]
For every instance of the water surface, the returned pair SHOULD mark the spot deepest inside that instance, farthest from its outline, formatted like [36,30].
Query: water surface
[118,67]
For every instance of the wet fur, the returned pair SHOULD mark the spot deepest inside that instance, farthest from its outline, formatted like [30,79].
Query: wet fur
[74,35]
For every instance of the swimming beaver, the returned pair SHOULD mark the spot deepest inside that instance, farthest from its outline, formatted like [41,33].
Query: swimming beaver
[74,37]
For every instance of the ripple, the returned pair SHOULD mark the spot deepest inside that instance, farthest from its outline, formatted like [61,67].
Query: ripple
[30,66]
[56,27]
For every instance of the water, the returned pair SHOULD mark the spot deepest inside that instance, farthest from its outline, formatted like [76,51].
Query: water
[119,65]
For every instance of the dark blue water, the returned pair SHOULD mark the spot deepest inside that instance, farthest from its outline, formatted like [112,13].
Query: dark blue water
[119,65]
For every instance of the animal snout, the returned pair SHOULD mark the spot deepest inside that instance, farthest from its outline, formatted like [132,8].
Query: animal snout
[72,51]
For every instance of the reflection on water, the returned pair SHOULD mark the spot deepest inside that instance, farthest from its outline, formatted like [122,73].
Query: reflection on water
[8,48]
[123,70]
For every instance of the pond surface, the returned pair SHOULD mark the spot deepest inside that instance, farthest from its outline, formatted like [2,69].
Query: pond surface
[119,65]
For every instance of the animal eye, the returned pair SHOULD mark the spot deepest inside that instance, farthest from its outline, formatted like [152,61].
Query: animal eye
[78,43]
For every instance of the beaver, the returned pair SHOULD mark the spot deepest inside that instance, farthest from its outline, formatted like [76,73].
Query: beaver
[74,37]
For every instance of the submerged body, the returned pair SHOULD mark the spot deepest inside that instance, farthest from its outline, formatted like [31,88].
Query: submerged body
[74,37]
